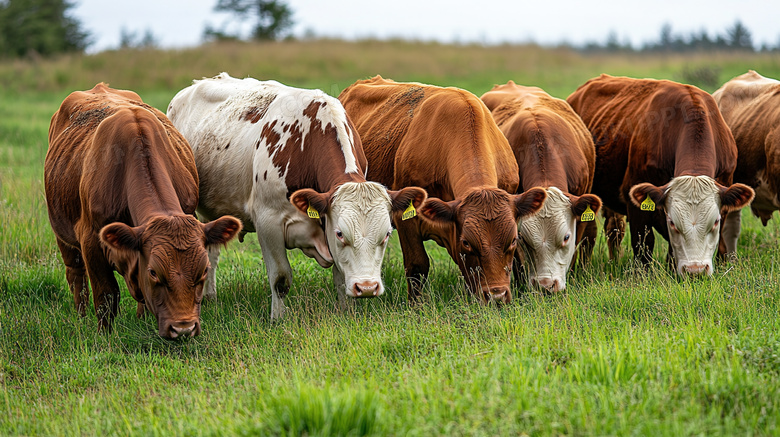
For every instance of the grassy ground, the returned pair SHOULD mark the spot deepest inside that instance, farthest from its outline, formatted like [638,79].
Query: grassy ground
[621,352]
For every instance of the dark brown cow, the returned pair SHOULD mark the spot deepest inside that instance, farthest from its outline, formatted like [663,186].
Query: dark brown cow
[554,150]
[664,157]
[121,187]
[445,140]
[750,104]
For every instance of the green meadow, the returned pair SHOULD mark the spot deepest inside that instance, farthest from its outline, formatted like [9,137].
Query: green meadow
[622,351]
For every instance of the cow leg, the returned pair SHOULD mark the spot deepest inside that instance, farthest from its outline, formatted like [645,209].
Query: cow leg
[76,275]
[105,291]
[729,234]
[277,266]
[210,287]
[519,269]
[642,236]
[416,262]
[615,231]
[586,234]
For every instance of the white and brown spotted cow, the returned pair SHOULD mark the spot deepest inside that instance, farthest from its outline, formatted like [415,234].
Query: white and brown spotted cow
[289,163]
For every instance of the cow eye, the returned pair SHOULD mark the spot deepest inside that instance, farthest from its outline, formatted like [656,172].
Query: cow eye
[566,239]
[340,235]
[716,224]
[387,236]
[153,275]
[466,245]
[514,243]
[204,275]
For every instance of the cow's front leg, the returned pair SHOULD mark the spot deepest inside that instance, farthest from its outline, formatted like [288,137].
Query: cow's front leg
[105,291]
[416,262]
[210,287]
[277,266]
[729,234]
[642,236]
[340,283]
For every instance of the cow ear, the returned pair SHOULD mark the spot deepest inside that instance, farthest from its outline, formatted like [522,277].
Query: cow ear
[641,192]
[305,198]
[735,197]
[438,211]
[580,204]
[528,202]
[401,199]
[221,230]
[122,238]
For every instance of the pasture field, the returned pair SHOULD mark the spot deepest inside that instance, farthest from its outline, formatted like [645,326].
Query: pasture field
[621,352]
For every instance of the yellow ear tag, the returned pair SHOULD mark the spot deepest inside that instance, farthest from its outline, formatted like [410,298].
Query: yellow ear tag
[313,213]
[647,205]
[588,215]
[409,212]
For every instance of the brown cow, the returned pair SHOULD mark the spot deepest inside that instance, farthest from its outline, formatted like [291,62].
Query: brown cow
[554,150]
[750,104]
[665,158]
[445,140]
[121,187]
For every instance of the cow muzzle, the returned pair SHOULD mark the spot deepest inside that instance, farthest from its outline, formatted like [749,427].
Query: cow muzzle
[548,283]
[697,269]
[180,329]
[366,289]
[500,294]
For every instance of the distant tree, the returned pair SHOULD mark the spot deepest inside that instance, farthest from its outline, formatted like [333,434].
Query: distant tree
[131,40]
[39,26]
[738,37]
[272,18]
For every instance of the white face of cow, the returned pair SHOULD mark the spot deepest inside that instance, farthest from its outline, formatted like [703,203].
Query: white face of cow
[548,237]
[693,206]
[357,226]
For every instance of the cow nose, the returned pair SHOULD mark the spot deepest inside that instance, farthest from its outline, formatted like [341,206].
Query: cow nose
[183,329]
[696,268]
[548,283]
[499,294]
[366,289]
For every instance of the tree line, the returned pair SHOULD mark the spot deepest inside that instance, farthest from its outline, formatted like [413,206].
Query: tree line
[46,27]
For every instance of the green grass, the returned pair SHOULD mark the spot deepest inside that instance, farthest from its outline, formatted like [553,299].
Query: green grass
[620,352]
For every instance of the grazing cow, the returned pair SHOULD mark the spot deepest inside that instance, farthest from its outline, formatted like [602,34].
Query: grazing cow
[289,163]
[121,188]
[444,140]
[750,104]
[665,158]
[554,150]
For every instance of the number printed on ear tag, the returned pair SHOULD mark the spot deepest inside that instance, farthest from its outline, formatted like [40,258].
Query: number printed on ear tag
[588,215]
[409,212]
[648,205]
[313,213]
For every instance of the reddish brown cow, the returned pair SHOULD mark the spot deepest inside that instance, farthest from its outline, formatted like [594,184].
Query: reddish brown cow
[554,150]
[445,140]
[121,187]
[750,104]
[664,157]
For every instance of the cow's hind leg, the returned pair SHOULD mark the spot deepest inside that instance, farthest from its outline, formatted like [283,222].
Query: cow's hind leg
[416,262]
[276,265]
[76,274]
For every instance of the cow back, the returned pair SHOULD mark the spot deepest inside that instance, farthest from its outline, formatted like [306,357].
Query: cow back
[442,139]
[105,147]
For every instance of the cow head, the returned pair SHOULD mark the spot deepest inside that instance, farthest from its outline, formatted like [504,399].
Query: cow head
[481,235]
[549,237]
[357,217]
[694,206]
[167,264]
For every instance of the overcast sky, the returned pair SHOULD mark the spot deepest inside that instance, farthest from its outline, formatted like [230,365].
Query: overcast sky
[180,23]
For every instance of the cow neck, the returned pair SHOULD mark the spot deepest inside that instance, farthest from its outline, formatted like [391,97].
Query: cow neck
[150,191]
[329,181]
[461,182]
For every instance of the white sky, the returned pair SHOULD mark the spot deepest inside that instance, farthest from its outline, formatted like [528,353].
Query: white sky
[180,23]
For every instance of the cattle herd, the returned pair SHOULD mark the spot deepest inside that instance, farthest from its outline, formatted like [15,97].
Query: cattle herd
[509,184]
